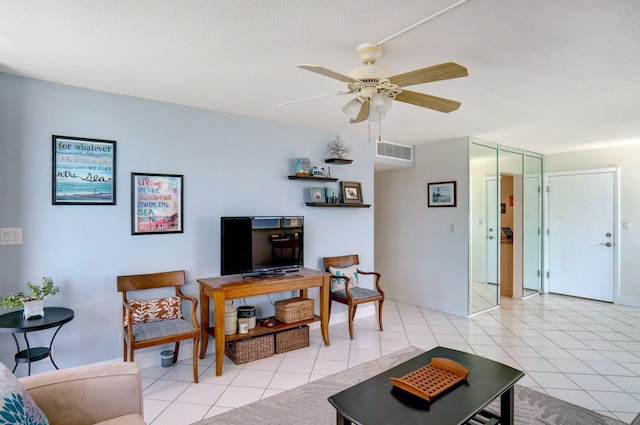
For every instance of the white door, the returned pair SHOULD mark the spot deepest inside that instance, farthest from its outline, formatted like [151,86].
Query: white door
[581,235]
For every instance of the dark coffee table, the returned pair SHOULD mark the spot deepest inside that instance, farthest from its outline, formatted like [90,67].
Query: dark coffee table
[371,402]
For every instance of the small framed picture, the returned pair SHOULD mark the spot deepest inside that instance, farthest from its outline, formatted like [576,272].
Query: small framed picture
[84,171]
[441,194]
[316,194]
[351,192]
[156,203]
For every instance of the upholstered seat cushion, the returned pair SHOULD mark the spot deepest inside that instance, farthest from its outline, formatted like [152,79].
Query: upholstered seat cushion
[160,329]
[357,293]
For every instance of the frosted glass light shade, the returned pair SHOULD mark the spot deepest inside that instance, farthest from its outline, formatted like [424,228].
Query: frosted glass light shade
[380,103]
[352,108]
[374,116]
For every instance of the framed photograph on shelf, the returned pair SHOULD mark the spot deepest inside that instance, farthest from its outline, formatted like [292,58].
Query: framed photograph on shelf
[351,192]
[441,194]
[316,194]
[156,203]
[84,171]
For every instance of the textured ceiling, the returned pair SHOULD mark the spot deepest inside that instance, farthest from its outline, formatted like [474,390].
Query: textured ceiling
[544,75]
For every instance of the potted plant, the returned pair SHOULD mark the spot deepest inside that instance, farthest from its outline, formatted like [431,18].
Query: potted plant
[338,149]
[33,304]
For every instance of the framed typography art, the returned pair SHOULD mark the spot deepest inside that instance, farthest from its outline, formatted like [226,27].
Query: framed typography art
[84,171]
[156,203]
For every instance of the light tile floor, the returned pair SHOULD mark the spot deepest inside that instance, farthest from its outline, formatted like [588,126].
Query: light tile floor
[582,351]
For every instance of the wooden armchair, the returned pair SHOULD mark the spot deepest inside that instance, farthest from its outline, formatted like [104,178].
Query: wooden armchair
[148,323]
[345,291]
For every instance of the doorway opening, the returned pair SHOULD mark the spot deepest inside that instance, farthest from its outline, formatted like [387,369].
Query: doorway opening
[511,231]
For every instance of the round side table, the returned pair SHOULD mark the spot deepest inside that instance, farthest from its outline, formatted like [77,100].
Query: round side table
[14,323]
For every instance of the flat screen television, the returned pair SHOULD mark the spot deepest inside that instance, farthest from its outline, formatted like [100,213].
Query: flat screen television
[261,246]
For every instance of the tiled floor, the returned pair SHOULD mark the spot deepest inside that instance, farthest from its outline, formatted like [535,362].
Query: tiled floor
[582,351]
[483,296]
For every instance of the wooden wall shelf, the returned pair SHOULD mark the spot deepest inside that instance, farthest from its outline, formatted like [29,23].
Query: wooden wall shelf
[325,204]
[326,179]
[338,161]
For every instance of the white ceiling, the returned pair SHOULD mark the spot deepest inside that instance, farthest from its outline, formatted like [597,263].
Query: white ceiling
[544,75]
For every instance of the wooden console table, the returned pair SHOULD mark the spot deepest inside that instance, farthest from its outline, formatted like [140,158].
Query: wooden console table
[232,287]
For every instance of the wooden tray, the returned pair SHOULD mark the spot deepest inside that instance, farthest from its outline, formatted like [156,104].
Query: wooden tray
[433,379]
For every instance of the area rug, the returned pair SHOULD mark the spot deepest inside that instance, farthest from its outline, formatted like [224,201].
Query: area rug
[308,403]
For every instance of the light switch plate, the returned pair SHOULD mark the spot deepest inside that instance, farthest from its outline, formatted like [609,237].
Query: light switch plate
[11,236]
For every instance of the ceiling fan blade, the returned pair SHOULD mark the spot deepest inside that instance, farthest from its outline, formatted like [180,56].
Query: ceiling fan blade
[428,101]
[444,71]
[363,114]
[311,98]
[328,73]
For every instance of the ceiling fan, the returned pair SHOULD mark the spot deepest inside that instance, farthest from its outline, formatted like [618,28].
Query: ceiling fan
[376,86]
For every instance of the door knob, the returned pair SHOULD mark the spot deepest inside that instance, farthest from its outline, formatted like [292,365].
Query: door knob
[491,237]
[608,244]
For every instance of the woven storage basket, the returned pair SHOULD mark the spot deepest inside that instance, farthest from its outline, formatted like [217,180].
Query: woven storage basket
[292,339]
[249,349]
[294,309]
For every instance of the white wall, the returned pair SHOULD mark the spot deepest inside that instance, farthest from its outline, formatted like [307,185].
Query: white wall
[421,260]
[232,165]
[627,157]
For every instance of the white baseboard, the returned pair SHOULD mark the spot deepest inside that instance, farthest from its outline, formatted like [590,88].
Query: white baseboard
[151,357]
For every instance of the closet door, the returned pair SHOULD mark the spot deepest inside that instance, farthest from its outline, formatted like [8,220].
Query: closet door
[484,196]
[532,226]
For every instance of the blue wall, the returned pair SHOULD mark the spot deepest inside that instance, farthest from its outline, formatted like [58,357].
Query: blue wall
[232,165]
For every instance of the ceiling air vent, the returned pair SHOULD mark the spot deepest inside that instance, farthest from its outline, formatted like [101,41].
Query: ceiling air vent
[395,151]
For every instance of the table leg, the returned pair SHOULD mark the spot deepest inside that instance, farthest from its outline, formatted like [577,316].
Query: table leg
[324,310]
[17,351]
[218,323]
[26,340]
[51,346]
[204,322]
[341,420]
[506,407]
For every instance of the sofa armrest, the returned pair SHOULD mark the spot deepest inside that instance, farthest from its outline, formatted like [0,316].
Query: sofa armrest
[87,394]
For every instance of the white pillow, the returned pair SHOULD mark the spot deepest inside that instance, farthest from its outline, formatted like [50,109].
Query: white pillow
[16,405]
[350,271]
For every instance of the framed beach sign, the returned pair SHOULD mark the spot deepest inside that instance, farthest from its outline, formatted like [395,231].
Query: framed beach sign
[84,171]
[442,194]
[156,203]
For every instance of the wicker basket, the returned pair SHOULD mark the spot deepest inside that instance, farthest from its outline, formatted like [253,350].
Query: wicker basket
[292,339]
[249,349]
[294,309]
